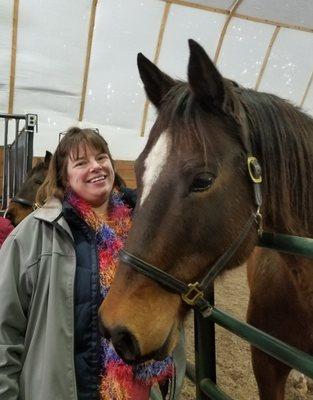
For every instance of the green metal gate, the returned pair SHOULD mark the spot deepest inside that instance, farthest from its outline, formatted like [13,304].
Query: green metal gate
[204,373]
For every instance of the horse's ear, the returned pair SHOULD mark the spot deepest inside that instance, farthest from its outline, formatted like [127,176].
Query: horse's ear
[48,157]
[156,82]
[204,79]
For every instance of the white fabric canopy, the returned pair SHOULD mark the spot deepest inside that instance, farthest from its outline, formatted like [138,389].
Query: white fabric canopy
[44,58]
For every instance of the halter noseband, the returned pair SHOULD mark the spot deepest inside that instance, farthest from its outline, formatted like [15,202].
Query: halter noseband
[24,202]
[193,294]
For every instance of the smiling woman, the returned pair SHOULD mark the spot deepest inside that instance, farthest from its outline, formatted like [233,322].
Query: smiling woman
[91,176]
[66,266]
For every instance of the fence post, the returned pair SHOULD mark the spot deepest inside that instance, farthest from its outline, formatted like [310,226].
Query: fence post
[5,166]
[205,358]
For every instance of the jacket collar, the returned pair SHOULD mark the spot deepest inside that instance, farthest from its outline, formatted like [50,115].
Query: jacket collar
[51,212]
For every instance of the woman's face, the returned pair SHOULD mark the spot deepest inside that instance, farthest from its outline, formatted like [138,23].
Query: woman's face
[91,175]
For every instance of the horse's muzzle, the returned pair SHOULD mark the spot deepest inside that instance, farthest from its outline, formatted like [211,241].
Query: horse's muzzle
[127,346]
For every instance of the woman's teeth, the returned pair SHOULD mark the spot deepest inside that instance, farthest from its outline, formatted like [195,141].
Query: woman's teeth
[100,178]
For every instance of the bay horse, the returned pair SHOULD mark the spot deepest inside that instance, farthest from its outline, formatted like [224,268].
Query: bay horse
[23,203]
[215,151]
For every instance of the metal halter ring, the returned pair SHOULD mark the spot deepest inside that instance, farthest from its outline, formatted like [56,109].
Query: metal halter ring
[193,294]
[254,169]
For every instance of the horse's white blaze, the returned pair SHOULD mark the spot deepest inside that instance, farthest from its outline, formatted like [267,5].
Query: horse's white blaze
[154,164]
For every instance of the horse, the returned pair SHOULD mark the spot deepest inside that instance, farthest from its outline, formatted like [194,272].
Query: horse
[24,202]
[221,164]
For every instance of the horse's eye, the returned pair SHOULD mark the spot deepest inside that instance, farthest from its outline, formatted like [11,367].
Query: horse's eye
[38,182]
[201,182]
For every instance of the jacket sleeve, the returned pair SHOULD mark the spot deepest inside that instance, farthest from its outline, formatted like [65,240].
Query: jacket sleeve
[12,317]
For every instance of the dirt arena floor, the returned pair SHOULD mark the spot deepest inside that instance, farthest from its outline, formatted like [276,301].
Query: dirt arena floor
[234,370]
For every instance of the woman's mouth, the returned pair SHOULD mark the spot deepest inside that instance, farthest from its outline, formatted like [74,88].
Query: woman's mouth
[98,179]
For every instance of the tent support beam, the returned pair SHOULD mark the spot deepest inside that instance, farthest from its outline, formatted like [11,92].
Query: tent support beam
[155,60]
[225,27]
[240,16]
[13,56]
[87,61]
[306,90]
[266,58]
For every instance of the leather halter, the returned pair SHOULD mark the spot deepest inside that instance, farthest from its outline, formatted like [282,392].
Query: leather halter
[24,202]
[193,294]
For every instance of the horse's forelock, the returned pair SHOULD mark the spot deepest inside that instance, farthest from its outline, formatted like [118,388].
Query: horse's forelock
[186,119]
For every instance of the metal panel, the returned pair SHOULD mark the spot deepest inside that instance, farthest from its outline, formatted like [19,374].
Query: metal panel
[18,155]
[50,56]
[52,41]
[290,65]
[114,92]
[298,12]
[224,4]
[243,50]
[185,23]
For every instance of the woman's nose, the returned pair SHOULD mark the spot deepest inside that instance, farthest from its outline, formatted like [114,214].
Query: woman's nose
[94,165]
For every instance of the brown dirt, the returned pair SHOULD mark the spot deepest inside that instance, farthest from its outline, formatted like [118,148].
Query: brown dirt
[234,370]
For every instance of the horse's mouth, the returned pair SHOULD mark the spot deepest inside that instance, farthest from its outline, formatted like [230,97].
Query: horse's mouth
[158,355]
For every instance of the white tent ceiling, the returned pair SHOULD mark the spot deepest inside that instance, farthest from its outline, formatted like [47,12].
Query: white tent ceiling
[74,61]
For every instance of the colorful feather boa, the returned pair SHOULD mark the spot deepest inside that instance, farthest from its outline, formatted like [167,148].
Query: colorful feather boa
[118,380]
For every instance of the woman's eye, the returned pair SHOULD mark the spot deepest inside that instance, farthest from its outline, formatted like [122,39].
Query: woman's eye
[201,183]
[80,163]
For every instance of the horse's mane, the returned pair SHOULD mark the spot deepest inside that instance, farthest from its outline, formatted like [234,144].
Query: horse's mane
[281,136]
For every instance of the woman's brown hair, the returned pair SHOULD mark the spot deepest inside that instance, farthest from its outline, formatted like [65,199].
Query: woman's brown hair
[55,182]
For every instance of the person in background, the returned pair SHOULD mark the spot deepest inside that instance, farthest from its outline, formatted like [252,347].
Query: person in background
[6,228]
[56,268]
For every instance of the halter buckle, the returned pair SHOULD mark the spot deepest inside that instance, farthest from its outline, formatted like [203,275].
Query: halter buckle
[193,294]
[254,169]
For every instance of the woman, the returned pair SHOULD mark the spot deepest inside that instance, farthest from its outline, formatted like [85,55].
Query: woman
[57,267]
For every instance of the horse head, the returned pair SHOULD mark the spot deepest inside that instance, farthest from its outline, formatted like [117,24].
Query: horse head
[195,196]
[23,203]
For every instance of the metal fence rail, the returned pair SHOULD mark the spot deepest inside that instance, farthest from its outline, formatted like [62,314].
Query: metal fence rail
[204,373]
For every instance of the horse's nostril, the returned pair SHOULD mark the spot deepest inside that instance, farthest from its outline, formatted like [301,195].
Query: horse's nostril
[125,345]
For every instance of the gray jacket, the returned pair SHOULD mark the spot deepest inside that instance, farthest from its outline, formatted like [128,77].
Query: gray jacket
[37,310]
